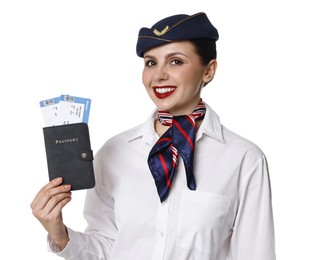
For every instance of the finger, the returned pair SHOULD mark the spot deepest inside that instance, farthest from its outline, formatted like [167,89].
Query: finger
[54,183]
[46,196]
[56,211]
[55,202]
[46,193]
[51,197]
[53,222]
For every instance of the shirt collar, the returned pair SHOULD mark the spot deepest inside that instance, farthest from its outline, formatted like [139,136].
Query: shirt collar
[146,131]
[210,126]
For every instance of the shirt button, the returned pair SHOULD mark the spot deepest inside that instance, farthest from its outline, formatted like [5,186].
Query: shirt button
[161,234]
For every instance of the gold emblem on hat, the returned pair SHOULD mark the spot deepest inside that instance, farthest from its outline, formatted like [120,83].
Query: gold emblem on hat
[157,33]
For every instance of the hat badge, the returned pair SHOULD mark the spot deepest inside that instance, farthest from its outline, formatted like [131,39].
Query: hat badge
[157,33]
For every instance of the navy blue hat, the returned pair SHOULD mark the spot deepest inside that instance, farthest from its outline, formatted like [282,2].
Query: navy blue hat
[175,28]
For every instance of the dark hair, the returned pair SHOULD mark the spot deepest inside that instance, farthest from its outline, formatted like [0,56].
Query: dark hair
[205,48]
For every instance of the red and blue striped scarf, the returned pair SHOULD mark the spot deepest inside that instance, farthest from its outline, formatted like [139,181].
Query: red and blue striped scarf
[179,139]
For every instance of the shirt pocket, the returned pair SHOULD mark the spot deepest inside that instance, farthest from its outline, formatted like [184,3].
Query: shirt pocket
[201,221]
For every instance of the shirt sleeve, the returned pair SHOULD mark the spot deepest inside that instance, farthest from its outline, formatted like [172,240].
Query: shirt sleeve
[97,240]
[253,231]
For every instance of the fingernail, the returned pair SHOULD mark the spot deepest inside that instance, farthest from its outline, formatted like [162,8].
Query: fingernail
[58,179]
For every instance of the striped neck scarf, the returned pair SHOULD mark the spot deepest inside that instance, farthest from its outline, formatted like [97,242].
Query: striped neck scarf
[179,139]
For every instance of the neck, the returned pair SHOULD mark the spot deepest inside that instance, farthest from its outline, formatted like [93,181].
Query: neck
[186,110]
[159,128]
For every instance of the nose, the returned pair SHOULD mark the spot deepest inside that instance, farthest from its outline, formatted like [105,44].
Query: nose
[160,74]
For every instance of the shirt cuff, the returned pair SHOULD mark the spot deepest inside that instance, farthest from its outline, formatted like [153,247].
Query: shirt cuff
[72,248]
[52,247]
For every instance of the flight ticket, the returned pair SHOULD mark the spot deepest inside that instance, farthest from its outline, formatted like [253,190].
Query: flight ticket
[65,109]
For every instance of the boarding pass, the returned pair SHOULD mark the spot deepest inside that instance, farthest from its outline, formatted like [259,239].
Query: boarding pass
[65,109]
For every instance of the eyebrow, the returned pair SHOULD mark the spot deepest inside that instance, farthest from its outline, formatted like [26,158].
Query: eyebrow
[168,55]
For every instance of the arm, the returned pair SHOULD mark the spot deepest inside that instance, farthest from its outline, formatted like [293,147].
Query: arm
[253,232]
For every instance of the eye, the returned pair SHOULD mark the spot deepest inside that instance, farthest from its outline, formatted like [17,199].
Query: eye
[176,62]
[150,63]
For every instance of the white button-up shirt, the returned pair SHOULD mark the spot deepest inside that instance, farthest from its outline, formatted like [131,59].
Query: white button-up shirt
[227,217]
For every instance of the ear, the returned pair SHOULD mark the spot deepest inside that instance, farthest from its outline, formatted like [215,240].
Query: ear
[210,71]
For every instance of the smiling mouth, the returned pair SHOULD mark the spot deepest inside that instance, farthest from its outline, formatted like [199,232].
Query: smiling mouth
[163,92]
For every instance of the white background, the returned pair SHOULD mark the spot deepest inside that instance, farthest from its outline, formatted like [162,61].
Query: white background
[87,49]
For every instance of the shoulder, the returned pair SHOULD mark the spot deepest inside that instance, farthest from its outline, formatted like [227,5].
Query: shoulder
[227,139]
[232,138]
[248,151]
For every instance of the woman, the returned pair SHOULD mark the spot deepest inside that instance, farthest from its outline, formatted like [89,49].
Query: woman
[155,198]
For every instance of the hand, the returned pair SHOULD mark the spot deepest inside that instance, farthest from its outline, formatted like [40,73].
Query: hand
[47,208]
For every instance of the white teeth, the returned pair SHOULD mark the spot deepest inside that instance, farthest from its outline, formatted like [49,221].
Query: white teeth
[164,90]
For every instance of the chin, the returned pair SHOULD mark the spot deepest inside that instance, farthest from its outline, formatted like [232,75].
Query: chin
[164,105]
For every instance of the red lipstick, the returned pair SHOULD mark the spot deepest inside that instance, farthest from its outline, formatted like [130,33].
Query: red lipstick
[163,92]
